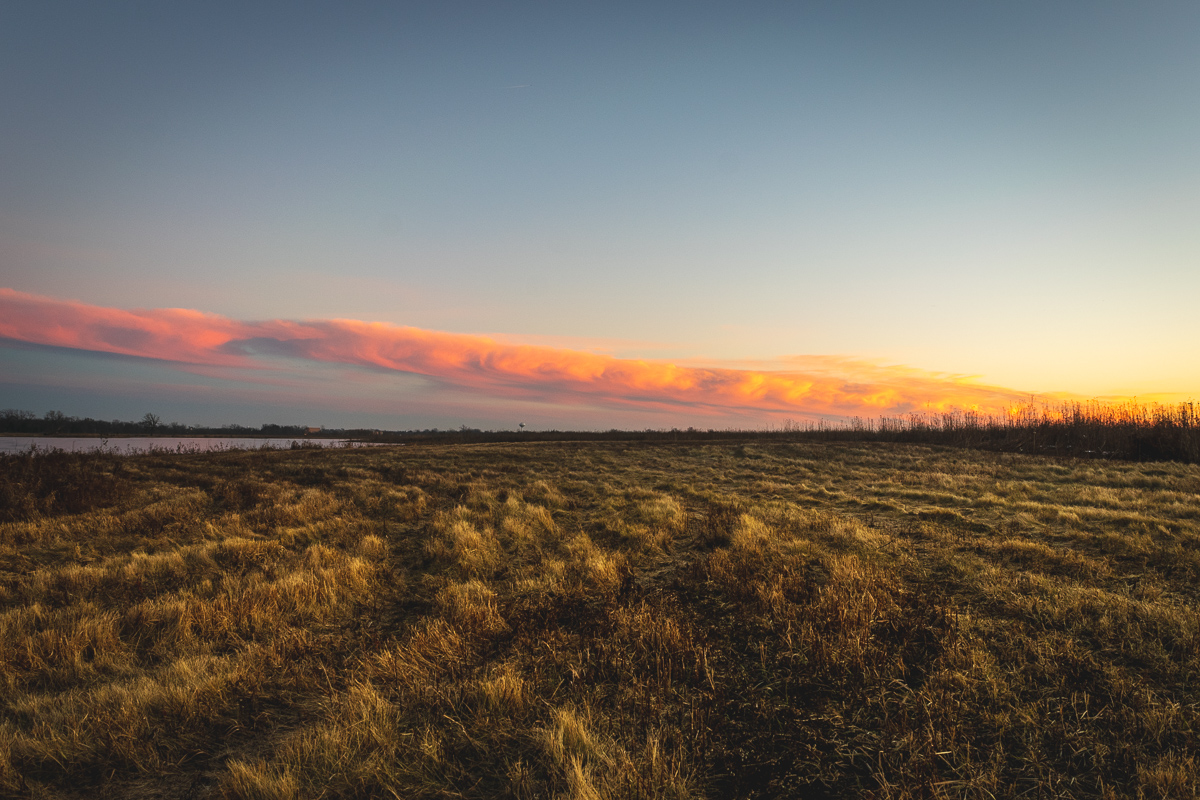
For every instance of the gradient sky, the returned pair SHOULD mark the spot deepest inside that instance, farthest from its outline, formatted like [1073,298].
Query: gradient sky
[927,197]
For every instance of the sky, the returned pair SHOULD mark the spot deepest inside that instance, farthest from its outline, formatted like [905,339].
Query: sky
[595,215]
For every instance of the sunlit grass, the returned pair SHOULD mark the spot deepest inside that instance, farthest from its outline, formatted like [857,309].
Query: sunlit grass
[754,619]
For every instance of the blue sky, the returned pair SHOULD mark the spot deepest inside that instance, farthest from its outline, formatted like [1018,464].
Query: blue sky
[1001,190]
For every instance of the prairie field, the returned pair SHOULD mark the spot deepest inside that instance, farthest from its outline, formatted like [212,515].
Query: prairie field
[599,620]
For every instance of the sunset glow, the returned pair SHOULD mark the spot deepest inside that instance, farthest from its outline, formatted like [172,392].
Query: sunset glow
[403,215]
[557,375]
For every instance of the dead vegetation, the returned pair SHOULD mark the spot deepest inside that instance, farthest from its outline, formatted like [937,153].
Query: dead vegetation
[599,620]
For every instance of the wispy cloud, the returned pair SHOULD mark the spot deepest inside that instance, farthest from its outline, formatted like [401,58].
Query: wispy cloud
[805,386]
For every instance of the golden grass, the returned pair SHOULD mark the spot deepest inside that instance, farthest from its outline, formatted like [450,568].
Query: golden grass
[608,620]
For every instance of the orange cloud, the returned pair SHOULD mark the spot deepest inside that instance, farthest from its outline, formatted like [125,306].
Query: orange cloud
[805,386]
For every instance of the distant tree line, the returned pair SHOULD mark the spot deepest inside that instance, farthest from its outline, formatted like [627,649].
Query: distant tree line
[1130,431]
[56,423]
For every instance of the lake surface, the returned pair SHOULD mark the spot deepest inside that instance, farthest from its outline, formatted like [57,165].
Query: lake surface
[138,444]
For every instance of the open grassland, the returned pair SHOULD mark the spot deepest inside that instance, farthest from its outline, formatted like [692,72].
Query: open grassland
[598,620]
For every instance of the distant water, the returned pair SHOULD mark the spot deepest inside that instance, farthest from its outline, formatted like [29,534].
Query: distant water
[138,444]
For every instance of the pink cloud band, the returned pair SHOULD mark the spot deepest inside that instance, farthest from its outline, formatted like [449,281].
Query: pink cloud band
[483,364]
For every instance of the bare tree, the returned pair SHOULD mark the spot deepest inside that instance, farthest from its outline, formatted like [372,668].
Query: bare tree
[151,421]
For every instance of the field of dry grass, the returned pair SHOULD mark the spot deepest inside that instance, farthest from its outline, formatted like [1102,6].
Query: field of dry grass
[598,620]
